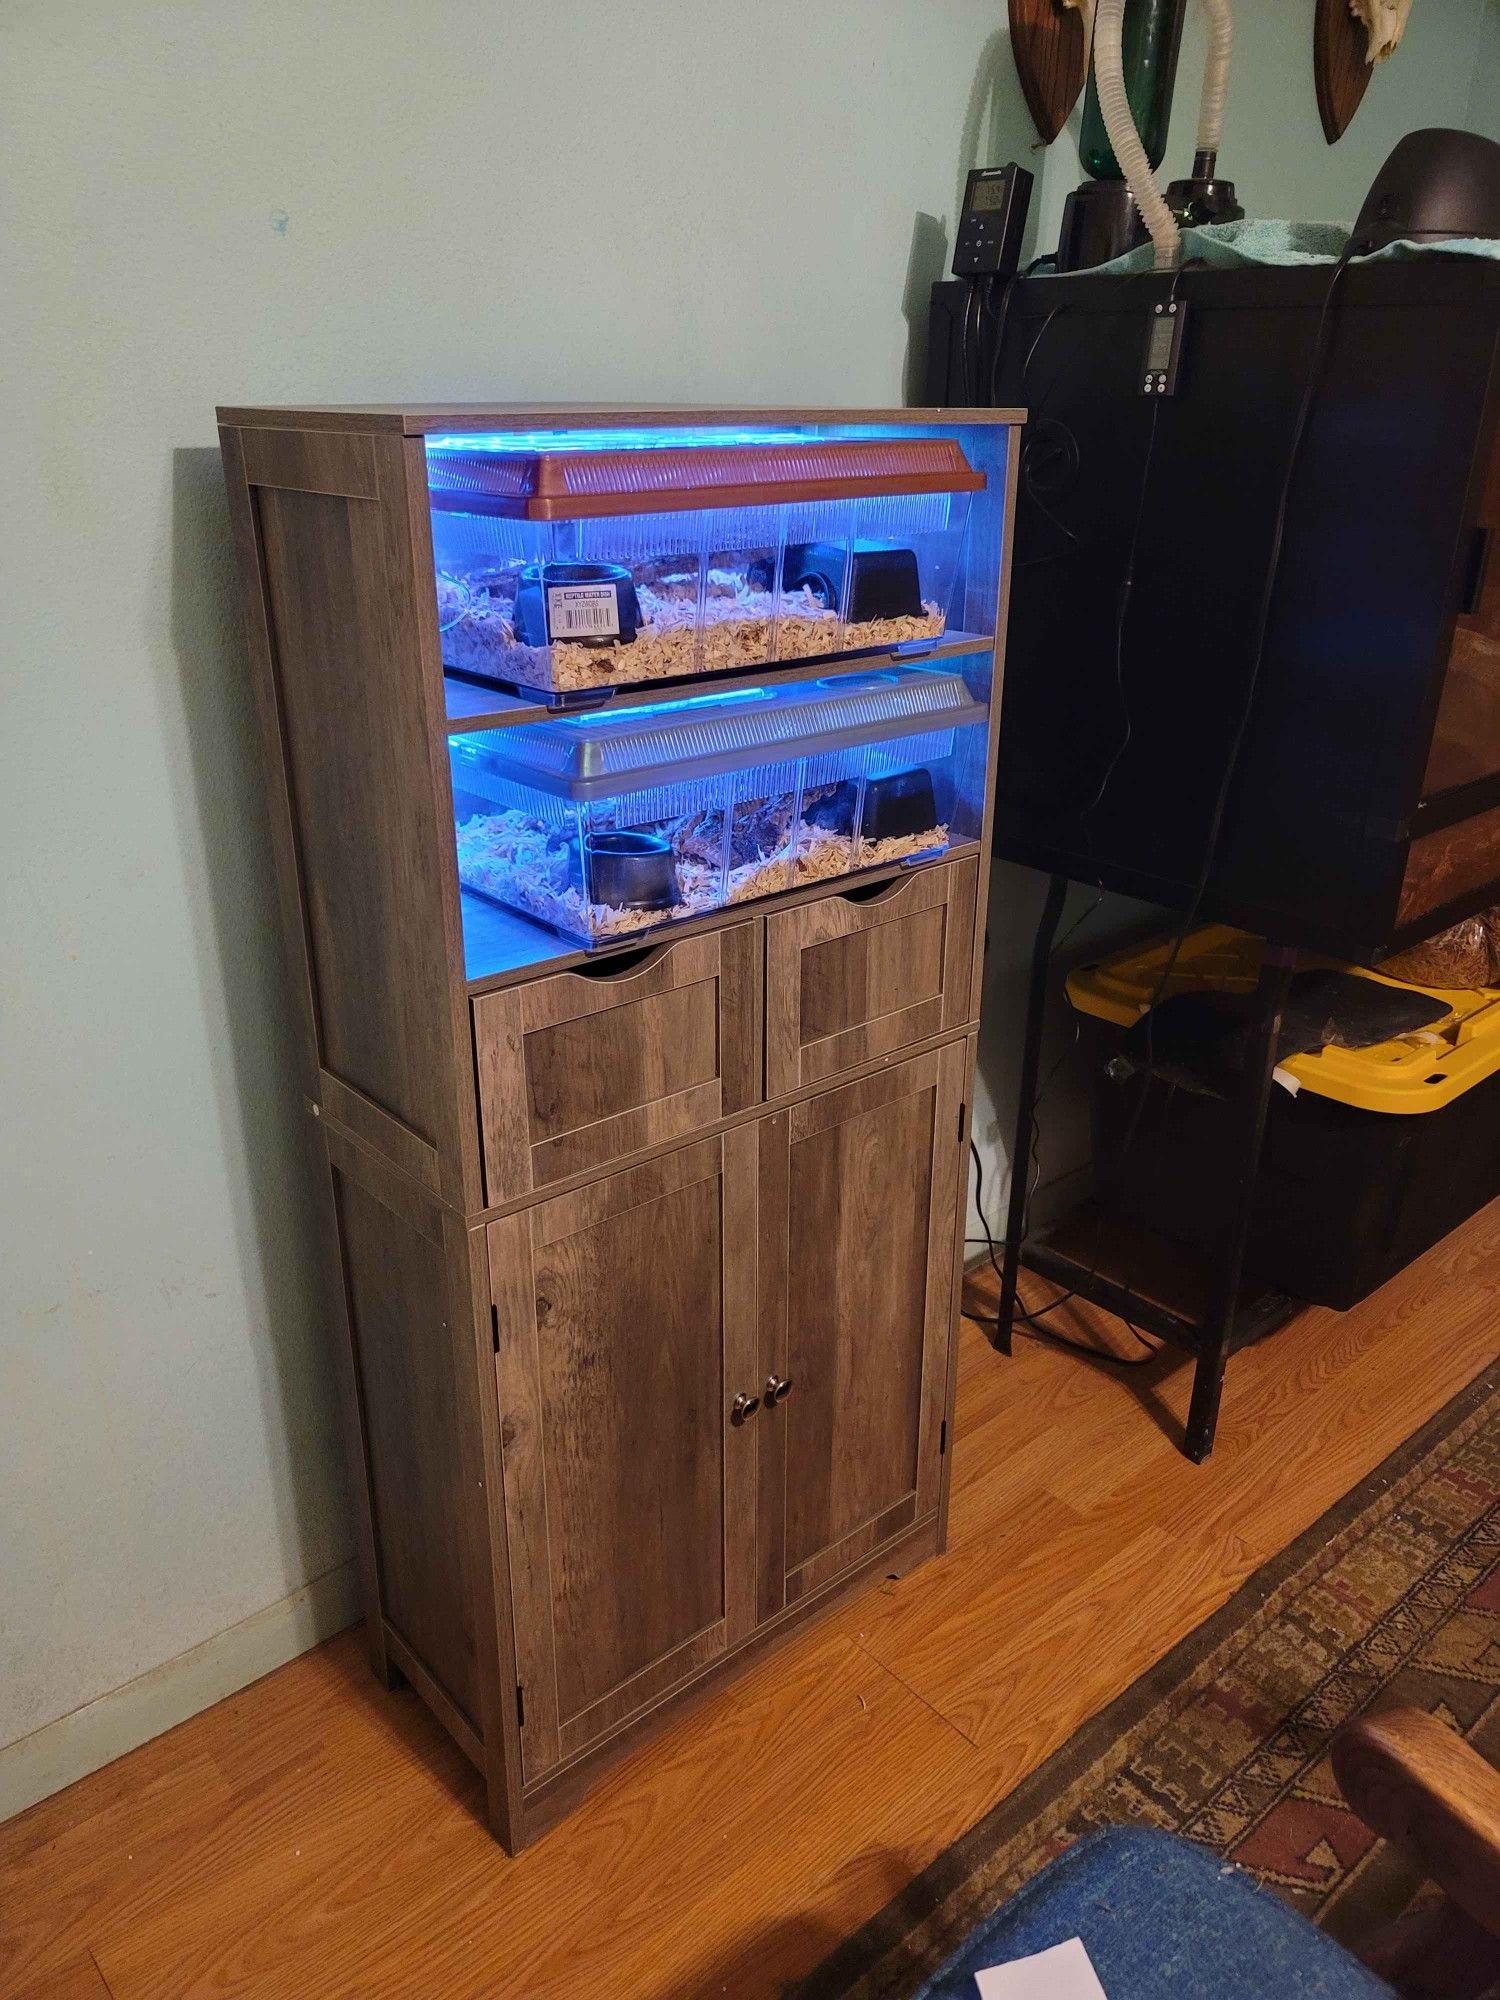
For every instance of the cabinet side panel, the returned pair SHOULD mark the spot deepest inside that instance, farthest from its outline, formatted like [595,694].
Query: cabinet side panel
[354,732]
[401,1310]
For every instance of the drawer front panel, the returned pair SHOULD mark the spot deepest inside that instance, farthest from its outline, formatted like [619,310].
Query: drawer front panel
[580,1070]
[850,981]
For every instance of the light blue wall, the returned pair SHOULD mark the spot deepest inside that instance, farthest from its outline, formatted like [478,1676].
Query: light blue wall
[276,202]
[1483,112]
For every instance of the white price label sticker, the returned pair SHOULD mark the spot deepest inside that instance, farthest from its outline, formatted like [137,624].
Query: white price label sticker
[1065,1972]
[583,610]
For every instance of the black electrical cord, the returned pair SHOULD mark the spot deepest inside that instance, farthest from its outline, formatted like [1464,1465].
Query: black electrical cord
[1247,709]
[1048,437]
[1049,1336]
[1035,1164]
[1037,339]
[965,339]
[970,331]
[1002,320]
[997,350]
[1242,727]
[1122,608]
[1034,1169]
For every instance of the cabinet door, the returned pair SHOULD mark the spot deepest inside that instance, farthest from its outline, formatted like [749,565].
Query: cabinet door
[580,1070]
[854,976]
[858,1220]
[625,1328]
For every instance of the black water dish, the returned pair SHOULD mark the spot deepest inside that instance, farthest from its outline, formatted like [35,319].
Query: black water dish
[536,618]
[630,870]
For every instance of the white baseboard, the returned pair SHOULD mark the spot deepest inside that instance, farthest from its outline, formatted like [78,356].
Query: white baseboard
[60,1752]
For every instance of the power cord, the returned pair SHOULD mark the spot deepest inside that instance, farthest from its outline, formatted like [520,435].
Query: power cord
[1002,319]
[1049,1336]
[967,335]
[1035,1170]
[979,296]
[1247,710]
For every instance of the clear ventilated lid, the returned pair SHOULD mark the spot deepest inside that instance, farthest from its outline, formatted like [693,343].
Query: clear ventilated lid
[605,752]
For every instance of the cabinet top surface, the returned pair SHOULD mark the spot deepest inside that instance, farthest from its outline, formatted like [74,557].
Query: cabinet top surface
[415,420]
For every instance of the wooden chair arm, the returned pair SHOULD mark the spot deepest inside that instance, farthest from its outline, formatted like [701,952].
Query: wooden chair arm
[1420,1785]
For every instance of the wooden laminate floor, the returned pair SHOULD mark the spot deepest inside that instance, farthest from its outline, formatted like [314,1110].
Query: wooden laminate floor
[315,1836]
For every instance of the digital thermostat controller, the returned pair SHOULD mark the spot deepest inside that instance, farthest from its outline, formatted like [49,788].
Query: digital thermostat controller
[1163,348]
[988,242]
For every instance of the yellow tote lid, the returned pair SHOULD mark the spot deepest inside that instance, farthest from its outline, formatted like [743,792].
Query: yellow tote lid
[1418,1072]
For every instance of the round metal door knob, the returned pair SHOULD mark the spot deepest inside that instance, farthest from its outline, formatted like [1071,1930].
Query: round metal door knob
[778,1388]
[743,1407]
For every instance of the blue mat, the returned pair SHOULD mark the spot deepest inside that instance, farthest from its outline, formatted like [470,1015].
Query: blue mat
[1163,1919]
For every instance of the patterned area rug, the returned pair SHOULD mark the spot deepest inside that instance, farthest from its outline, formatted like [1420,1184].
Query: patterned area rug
[1391,1599]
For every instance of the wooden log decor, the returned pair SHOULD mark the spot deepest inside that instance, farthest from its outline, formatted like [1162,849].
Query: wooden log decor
[1341,68]
[1049,40]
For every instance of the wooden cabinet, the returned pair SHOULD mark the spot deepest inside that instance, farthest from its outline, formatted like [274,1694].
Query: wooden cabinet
[644,1264]
[722,1377]
[723,1383]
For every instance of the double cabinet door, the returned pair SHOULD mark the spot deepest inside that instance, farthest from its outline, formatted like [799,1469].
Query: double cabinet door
[722,1377]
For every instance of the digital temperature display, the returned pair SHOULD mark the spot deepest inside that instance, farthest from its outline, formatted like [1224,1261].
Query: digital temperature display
[1159,344]
[988,194]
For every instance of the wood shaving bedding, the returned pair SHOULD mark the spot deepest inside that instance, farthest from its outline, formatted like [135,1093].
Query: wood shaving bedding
[747,628]
[514,859]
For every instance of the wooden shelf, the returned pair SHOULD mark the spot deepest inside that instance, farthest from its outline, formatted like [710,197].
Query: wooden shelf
[471,708]
[498,941]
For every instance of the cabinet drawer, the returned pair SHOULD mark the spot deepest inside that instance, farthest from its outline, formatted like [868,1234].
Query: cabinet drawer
[853,978]
[581,1069]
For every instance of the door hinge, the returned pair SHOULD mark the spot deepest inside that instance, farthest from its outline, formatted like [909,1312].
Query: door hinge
[520,1706]
[963,1120]
[943,1438]
[495,1326]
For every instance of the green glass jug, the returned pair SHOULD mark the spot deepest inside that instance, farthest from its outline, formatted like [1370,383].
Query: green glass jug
[1150,36]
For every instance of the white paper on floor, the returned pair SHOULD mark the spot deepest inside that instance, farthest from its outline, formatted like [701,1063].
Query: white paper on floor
[1065,1972]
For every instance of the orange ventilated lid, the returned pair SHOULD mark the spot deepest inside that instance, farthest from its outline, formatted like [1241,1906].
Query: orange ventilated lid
[569,485]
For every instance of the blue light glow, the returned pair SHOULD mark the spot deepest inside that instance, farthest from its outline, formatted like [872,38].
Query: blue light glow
[672,437]
[591,718]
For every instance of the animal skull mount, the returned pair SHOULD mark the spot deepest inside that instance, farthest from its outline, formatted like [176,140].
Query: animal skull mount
[1384,23]
[1049,44]
[1350,37]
